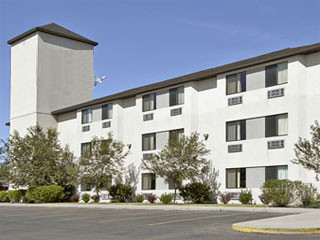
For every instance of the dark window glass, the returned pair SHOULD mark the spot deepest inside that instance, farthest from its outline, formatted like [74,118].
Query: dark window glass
[236,130]
[148,141]
[148,181]
[175,135]
[107,111]
[276,172]
[85,149]
[276,125]
[271,75]
[86,116]
[176,96]
[149,102]
[236,83]
[236,178]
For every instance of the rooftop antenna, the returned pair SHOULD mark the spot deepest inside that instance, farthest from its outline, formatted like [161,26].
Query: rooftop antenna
[98,80]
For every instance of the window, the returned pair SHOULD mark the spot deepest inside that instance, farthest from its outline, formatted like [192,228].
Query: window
[277,172]
[148,181]
[107,111]
[236,130]
[149,102]
[85,149]
[276,74]
[85,188]
[86,116]
[148,141]
[276,125]
[175,135]
[176,96]
[236,83]
[236,178]
[171,184]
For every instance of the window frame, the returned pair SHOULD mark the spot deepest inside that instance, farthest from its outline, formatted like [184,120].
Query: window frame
[149,96]
[176,92]
[175,132]
[242,78]
[82,149]
[242,131]
[89,112]
[276,169]
[242,172]
[154,141]
[267,134]
[276,66]
[105,106]
[153,181]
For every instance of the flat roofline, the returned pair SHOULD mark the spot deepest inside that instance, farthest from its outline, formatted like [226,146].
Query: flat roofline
[198,76]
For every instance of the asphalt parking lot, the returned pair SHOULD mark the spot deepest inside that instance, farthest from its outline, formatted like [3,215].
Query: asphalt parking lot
[82,223]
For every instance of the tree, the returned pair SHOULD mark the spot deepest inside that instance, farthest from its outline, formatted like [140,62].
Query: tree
[37,159]
[179,160]
[4,162]
[104,160]
[209,176]
[308,151]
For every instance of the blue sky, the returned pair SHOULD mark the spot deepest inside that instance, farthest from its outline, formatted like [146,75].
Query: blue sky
[145,41]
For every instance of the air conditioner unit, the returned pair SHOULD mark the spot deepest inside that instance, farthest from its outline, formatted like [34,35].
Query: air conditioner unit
[147,156]
[86,128]
[176,111]
[276,93]
[148,117]
[106,124]
[235,101]
[235,148]
[276,144]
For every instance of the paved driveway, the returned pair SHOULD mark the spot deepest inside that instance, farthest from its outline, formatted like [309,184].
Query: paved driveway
[95,224]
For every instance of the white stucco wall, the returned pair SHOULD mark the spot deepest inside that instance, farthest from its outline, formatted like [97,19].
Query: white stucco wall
[206,111]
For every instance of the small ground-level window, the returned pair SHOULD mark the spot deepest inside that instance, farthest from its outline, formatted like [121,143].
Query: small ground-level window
[236,178]
[148,181]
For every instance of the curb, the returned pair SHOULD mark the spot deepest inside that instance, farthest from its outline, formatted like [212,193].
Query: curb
[276,230]
[169,207]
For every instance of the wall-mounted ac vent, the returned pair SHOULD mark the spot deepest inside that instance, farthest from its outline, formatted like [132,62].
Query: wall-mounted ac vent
[234,195]
[86,128]
[176,111]
[106,124]
[276,93]
[235,148]
[235,101]
[276,144]
[147,156]
[148,117]
[105,197]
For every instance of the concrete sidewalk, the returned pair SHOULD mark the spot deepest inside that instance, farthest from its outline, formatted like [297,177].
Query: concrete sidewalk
[303,223]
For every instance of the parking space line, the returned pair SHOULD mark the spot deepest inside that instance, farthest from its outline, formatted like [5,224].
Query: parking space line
[26,214]
[198,218]
[145,217]
[106,215]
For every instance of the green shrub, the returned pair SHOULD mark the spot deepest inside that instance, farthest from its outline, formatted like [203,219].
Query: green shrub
[245,197]
[121,192]
[280,192]
[314,205]
[166,198]
[85,197]
[306,193]
[138,198]
[4,196]
[195,192]
[15,195]
[44,194]
[265,198]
